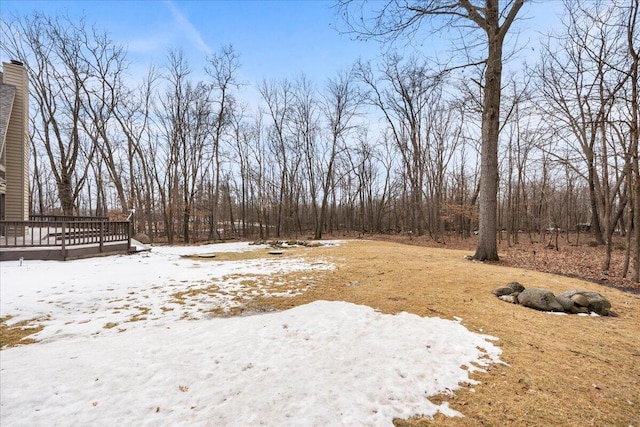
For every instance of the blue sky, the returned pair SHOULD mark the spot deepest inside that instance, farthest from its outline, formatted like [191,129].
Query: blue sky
[275,39]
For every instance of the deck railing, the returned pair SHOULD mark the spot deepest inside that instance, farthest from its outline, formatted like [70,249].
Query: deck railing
[63,234]
[47,218]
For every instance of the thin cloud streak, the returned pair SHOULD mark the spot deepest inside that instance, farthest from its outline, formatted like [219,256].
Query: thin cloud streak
[189,30]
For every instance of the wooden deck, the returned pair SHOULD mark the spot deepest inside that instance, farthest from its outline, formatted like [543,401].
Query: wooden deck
[62,239]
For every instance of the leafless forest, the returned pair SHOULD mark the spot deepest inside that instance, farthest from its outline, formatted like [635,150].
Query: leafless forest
[387,147]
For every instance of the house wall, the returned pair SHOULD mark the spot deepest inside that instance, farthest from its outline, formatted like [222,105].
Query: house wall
[17,145]
[7,95]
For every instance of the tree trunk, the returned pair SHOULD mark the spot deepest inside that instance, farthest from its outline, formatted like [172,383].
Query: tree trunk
[634,133]
[487,246]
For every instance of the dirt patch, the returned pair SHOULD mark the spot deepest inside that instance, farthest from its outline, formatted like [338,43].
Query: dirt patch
[562,370]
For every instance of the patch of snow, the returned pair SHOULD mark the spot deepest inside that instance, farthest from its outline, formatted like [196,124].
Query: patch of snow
[215,247]
[324,363]
[328,242]
[80,297]
[590,314]
[117,349]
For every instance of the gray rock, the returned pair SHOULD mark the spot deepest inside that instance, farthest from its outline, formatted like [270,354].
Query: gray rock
[509,298]
[580,300]
[594,301]
[517,287]
[540,299]
[570,306]
[566,303]
[502,291]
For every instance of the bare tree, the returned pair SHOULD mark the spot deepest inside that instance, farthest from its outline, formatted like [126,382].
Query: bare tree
[633,46]
[404,95]
[57,52]
[304,126]
[587,87]
[187,119]
[570,77]
[104,93]
[279,97]
[242,135]
[133,115]
[174,115]
[445,134]
[395,18]
[340,103]
[222,69]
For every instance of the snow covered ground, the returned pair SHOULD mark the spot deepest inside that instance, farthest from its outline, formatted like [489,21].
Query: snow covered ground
[130,340]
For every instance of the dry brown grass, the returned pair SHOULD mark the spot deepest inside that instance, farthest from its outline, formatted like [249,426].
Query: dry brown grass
[17,333]
[582,261]
[562,370]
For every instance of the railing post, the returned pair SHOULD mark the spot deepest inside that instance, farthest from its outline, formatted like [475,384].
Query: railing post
[64,241]
[101,235]
[128,236]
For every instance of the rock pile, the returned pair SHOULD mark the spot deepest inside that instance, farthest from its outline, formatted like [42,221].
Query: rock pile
[288,243]
[573,302]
